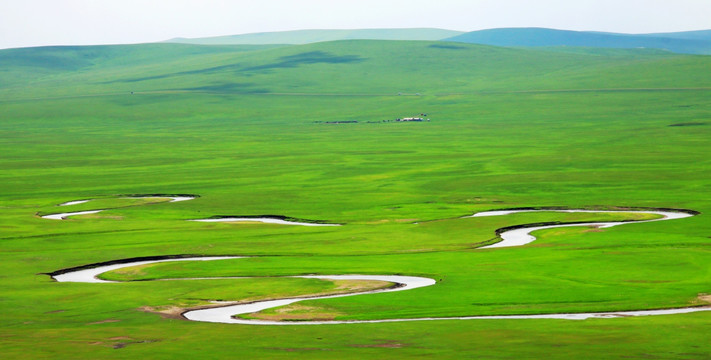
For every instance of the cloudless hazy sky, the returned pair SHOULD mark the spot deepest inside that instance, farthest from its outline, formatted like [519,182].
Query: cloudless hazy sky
[78,22]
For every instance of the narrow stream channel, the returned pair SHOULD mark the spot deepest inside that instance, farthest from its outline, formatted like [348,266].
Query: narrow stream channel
[515,237]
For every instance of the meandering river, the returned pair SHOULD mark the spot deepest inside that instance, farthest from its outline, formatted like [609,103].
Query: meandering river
[227,313]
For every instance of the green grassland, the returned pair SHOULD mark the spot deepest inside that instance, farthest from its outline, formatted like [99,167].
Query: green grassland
[237,125]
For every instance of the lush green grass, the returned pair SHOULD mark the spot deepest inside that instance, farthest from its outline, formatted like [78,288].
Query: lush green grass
[495,141]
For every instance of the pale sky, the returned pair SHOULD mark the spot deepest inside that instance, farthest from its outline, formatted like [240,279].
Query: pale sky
[83,22]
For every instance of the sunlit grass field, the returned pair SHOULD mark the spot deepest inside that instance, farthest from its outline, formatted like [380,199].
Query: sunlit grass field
[239,126]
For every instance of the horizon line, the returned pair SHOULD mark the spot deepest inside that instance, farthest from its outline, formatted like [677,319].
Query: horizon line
[343,29]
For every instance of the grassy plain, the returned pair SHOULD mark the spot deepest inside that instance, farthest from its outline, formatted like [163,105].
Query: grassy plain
[236,125]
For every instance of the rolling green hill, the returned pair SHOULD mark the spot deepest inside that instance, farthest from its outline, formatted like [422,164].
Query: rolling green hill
[684,42]
[22,66]
[342,67]
[312,36]
[690,35]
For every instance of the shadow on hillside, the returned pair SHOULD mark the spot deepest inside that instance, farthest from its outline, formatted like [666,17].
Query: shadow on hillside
[237,88]
[308,58]
[291,61]
[446,46]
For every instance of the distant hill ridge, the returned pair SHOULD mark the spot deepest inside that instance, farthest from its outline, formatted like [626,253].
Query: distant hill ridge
[688,42]
[343,68]
[300,37]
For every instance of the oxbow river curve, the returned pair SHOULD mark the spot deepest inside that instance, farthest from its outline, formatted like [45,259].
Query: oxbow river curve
[228,313]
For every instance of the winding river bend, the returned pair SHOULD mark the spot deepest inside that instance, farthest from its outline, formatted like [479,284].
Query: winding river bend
[64,216]
[515,237]
[522,235]
[266,219]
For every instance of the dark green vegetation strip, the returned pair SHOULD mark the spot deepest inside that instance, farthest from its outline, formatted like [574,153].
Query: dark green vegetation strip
[257,154]
[690,124]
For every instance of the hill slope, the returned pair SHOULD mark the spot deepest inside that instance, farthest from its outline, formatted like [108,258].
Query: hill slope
[22,65]
[686,43]
[312,36]
[690,35]
[340,67]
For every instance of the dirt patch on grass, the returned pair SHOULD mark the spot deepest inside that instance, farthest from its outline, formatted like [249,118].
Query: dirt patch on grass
[701,300]
[167,312]
[296,312]
[375,222]
[360,285]
[293,312]
[132,271]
